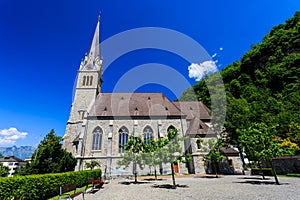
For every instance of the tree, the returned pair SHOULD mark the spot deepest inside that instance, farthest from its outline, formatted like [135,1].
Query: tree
[4,170]
[133,148]
[164,150]
[260,144]
[172,152]
[92,164]
[49,157]
[153,154]
[214,156]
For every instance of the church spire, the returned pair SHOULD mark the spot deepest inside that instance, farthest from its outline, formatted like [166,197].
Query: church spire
[95,46]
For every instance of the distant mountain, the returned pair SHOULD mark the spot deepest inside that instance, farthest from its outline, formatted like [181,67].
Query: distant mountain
[21,152]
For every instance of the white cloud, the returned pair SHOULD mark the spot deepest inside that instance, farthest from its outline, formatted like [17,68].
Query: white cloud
[198,71]
[10,136]
[221,48]
[214,55]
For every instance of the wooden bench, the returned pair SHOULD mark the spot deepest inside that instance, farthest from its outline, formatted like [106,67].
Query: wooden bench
[96,183]
[63,192]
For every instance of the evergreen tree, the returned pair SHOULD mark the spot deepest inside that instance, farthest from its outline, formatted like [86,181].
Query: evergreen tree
[49,157]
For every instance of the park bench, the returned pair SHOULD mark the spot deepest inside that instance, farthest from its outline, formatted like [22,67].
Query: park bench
[64,192]
[96,184]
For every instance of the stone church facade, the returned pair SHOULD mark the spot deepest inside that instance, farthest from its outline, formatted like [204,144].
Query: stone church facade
[101,123]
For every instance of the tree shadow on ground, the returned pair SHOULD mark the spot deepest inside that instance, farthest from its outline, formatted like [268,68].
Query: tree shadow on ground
[261,182]
[212,177]
[133,182]
[153,179]
[254,178]
[169,186]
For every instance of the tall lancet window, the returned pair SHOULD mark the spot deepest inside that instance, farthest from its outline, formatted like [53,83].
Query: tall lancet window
[91,80]
[83,82]
[87,80]
[148,134]
[97,138]
[123,138]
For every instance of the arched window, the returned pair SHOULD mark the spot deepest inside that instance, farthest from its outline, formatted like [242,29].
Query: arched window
[169,129]
[97,139]
[91,80]
[148,134]
[123,138]
[83,82]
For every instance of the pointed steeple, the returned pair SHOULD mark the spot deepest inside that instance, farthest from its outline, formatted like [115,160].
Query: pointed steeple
[95,46]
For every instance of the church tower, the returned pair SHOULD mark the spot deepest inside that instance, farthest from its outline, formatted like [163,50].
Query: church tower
[88,86]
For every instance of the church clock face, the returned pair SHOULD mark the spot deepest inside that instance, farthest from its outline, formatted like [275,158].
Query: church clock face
[89,67]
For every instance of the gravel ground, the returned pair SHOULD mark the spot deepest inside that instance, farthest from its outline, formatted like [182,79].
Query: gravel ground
[201,187]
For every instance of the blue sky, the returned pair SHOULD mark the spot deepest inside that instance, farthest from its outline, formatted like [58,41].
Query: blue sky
[43,42]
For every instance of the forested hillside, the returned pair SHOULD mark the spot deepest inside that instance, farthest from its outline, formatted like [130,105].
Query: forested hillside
[264,86]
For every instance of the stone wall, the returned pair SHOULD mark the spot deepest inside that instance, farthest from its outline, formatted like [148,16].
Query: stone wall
[286,164]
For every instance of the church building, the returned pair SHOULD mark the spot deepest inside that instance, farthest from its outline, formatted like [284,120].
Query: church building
[100,123]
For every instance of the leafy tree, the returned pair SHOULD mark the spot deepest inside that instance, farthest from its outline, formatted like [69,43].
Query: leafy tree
[260,144]
[4,170]
[133,148]
[214,156]
[91,165]
[164,150]
[172,151]
[153,154]
[49,157]
[1,156]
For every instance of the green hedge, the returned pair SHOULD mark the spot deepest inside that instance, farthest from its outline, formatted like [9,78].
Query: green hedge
[42,186]
[266,171]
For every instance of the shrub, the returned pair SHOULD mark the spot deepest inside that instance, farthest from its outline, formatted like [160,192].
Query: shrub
[42,186]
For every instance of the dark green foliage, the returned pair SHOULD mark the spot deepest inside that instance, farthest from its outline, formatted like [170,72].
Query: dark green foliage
[45,186]
[264,87]
[49,157]
[4,170]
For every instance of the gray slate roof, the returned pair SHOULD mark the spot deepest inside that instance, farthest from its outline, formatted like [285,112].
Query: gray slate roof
[11,159]
[134,104]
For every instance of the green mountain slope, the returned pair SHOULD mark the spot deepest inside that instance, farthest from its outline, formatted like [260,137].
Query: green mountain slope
[264,86]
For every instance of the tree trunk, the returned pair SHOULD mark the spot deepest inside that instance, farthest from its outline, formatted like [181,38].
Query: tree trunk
[173,175]
[242,158]
[155,173]
[262,173]
[134,171]
[215,169]
[274,172]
